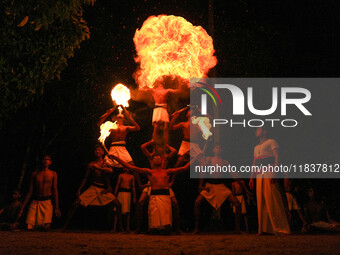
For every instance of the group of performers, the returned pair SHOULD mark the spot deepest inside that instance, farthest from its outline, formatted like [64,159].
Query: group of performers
[163,208]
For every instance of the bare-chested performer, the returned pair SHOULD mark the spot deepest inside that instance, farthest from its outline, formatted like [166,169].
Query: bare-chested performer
[189,148]
[43,187]
[118,136]
[125,189]
[160,117]
[167,152]
[99,193]
[9,214]
[160,217]
[215,192]
[240,193]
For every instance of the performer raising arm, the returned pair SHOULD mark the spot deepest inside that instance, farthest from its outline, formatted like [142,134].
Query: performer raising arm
[99,193]
[160,217]
[118,136]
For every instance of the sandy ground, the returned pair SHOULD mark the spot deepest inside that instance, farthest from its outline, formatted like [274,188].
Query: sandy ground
[105,243]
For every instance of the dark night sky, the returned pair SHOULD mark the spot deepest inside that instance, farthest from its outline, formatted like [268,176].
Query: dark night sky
[251,39]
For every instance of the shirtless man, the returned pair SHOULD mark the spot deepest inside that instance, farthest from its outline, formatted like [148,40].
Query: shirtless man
[124,187]
[167,152]
[160,202]
[99,193]
[118,136]
[9,214]
[215,192]
[43,187]
[184,150]
[239,193]
[160,117]
[317,215]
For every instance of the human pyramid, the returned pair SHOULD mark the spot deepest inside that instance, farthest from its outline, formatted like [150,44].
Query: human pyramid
[163,208]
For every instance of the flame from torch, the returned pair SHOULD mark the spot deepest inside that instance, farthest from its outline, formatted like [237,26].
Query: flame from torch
[105,130]
[121,95]
[204,125]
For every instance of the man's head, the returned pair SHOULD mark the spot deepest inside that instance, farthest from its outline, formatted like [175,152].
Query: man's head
[156,159]
[159,82]
[16,195]
[120,119]
[126,170]
[99,151]
[46,160]
[261,132]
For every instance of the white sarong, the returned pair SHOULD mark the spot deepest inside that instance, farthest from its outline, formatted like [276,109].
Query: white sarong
[160,113]
[160,211]
[93,196]
[39,213]
[217,194]
[243,204]
[119,150]
[125,200]
[184,149]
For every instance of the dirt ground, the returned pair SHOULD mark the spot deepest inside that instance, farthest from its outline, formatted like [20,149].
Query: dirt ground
[106,243]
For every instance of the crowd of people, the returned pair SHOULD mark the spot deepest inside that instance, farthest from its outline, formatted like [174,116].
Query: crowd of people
[276,203]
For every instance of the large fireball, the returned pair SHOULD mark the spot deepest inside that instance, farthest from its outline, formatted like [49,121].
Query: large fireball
[170,45]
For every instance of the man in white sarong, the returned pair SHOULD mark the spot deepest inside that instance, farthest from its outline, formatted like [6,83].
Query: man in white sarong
[189,147]
[215,192]
[167,152]
[271,204]
[43,187]
[160,116]
[160,211]
[118,136]
[99,193]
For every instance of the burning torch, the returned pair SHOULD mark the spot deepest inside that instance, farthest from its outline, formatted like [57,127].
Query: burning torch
[204,125]
[120,95]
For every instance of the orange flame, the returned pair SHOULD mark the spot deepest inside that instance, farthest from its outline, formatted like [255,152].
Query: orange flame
[204,125]
[105,130]
[170,45]
[121,94]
